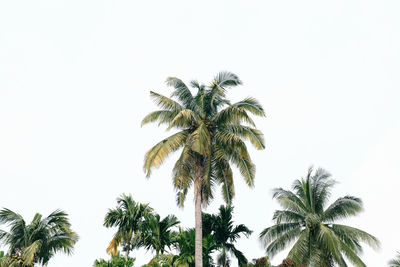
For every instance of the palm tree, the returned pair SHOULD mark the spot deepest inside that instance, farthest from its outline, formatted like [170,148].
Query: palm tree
[211,135]
[226,235]
[185,245]
[37,242]
[306,219]
[396,261]
[157,234]
[128,217]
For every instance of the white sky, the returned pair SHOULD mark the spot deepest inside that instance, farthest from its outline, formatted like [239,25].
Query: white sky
[74,85]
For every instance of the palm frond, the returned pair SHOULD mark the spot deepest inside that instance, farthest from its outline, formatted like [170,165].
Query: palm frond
[342,208]
[181,91]
[184,119]
[274,232]
[156,155]
[162,116]
[200,140]
[330,243]
[355,234]
[165,103]
[255,136]
[282,241]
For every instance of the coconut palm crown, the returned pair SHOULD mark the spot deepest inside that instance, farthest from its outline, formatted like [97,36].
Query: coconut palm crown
[307,220]
[36,242]
[211,134]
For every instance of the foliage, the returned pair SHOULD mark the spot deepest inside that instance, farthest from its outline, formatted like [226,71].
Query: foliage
[211,134]
[128,216]
[306,220]
[116,261]
[226,234]
[157,234]
[396,261]
[185,246]
[37,242]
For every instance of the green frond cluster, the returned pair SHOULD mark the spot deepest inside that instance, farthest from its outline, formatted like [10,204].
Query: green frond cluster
[38,241]
[212,135]
[396,261]
[309,223]
[128,217]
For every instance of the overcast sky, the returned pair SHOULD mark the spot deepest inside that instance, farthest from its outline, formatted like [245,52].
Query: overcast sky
[75,78]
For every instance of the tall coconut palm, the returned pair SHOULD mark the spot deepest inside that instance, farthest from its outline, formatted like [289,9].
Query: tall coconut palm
[128,217]
[211,134]
[227,234]
[158,234]
[396,261]
[38,241]
[308,220]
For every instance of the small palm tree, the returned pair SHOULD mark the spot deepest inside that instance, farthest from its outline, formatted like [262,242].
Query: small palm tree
[157,234]
[211,134]
[306,220]
[128,217]
[226,234]
[396,261]
[39,241]
[185,246]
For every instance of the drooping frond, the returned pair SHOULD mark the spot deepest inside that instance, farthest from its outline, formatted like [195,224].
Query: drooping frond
[224,176]
[290,201]
[287,216]
[232,115]
[162,116]
[156,155]
[165,102]
[344,231]
[182,92]
[302,249]
[112,248]
[28,253]
[342,208]
[281,242]
[226,79]
[200,140]
[184,119]
[255,136]
[182,175]
[330,242]
[351,255]
[251,105]
[271,233]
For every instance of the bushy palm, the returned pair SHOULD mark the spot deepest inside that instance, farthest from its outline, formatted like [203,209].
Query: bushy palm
[396,261]
[116,261]
[211,134]
[38,241]
[128,217]
[226,234]
[306,220]
[185,246]
[158,234]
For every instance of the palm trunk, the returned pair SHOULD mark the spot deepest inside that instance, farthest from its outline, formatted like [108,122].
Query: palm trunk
[127,253]
[198,228]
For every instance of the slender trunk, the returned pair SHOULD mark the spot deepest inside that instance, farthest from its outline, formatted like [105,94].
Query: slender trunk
[127,253]
[198,227]
[224,256]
